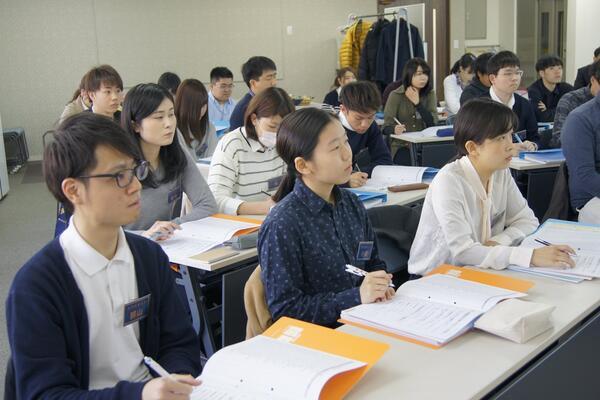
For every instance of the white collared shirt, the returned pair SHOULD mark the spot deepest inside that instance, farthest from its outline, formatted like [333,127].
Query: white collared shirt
[218,111]
[451,227]
[106,286]
[495,97]
[344,121]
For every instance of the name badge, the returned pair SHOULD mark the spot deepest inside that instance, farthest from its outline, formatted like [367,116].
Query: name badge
[364,251]
[136,310]
[273,183]
[174,195]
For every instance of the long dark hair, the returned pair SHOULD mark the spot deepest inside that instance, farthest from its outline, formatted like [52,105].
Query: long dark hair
[140,102]
[191,97]
[298,135]
[410,68]
[480,119]
[467,61]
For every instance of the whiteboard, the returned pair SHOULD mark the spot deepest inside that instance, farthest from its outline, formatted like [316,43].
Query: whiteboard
[188,37]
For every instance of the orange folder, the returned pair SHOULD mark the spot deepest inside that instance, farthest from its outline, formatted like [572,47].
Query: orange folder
[333,342]
[241,219]
[487,278]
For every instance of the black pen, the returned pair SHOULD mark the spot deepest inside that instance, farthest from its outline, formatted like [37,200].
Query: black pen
[546,243]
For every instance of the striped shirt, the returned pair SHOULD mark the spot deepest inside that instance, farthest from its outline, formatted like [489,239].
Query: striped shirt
[241,169]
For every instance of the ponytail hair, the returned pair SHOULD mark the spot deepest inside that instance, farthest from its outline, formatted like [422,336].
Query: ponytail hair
[298,135]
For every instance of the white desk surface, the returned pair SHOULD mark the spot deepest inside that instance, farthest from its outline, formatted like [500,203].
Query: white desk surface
[472,365]
[523,165]
[403,198]
[415,137]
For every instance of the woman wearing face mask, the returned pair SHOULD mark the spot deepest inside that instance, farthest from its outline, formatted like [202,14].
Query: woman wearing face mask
[197,133]
[245,168]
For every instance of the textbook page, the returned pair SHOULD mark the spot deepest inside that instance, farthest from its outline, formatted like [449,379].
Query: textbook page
[447,289]
[384,176]
[196,237]
[266,368]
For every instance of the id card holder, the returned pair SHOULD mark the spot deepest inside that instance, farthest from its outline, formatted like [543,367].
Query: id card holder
[273,183]
[365,249]
[136,310]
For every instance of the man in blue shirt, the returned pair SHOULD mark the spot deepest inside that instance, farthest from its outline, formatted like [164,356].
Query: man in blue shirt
[220,102]
[84,311]
[259,73]
[581,146]
[359,101]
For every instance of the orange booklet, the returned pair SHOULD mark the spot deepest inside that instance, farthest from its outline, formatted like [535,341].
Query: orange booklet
[435,309]
[241,219]
[291,360]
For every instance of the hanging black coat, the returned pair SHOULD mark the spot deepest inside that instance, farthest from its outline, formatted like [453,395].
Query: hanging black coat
[385,51]
[368,56]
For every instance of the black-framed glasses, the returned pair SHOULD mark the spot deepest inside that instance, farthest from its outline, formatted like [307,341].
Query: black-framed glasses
[125,177]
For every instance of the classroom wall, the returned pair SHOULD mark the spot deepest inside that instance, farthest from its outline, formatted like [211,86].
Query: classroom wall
[47,46]
[582,38]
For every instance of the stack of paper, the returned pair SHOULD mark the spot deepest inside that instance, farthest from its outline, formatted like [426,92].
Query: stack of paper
[428,132]
[582,238]
[370,198]
[432,310]
[291,360]
[543,156]
[384,176]
[196,237]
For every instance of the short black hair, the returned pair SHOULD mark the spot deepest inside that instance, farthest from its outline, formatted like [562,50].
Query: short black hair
[361,96]
[594,70]
[480,119]
[104,74]
[72,152]
[501,60]
[255,66]
[597,52]
[410,68]
[547,62]
[220,73]
[170,81]
[481,63]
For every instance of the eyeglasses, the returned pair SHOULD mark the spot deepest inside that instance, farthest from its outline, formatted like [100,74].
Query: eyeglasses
[125,177]
[225,87]
[510,74]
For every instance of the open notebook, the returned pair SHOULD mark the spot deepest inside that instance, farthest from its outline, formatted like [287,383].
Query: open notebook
[291,360]
[384,176]
[432,310]
[195,237]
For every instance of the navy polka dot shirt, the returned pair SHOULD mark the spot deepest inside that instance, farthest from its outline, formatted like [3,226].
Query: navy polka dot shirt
[303,247]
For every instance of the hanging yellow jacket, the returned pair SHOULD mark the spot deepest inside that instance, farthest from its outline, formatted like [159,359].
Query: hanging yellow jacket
[353,43]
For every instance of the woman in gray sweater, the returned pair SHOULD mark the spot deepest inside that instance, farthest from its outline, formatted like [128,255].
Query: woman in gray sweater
[148,115]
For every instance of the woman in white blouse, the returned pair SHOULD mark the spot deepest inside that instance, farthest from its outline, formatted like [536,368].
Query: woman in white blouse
[474,213]
[460,76]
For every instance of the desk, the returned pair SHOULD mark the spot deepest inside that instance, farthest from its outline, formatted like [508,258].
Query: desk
[403,198]
[428,151]
[538,183]
[558,364]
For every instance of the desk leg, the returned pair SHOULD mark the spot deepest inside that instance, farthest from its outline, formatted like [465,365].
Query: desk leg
[196,302]
[415,150]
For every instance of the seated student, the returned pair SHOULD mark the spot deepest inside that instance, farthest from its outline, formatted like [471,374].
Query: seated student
[460,76]
[505,75]
[580,144]
[359,103]
[474,213]
[413,104]
[259,73]
[193,124]
[316,228]
[583,73]
[149,118]
[572,100]
[104,86]
[220,102]
[70,329]
[480,85]
[79,102]
[343,76]
[545,93]
[170,81]
[245,167]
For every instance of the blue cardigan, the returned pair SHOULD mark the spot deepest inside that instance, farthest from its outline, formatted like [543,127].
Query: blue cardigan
[48,326]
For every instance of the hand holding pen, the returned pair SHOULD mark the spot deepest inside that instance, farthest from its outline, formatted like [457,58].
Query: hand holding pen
[553,256]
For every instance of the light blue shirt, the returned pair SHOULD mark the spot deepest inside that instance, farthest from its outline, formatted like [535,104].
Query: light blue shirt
[218,111]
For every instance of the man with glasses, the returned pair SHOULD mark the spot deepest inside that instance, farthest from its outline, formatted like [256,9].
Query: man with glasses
[84,311]
[220,102]
[259,73]
[505,76]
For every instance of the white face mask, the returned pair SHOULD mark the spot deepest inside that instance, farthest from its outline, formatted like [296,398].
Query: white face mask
[268,139]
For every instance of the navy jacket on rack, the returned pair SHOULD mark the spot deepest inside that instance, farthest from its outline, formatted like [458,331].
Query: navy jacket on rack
[368,57]
[387,45]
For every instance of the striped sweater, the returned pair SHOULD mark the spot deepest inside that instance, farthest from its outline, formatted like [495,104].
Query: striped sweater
[241,169]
